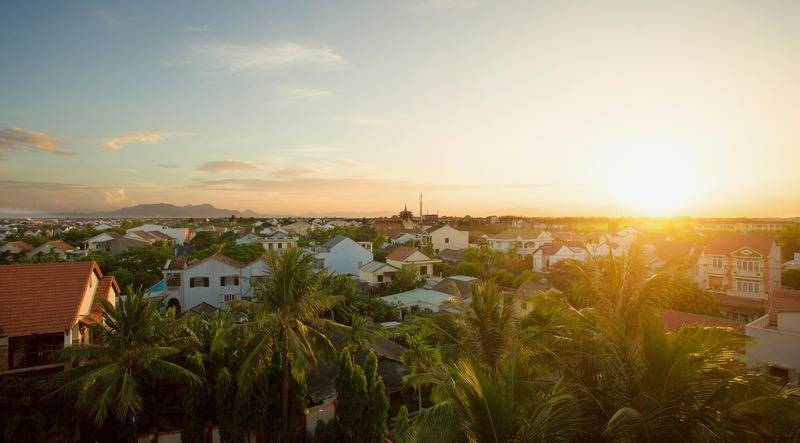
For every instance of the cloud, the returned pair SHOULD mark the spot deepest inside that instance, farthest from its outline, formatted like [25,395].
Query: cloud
[141,138]
[448,4]
[190,28]
[17,139]
[296,171]
[229,166]
[168,165]
[361,121]
[304,93]
[235,58]
[348,163]
[115,196]
[314,149]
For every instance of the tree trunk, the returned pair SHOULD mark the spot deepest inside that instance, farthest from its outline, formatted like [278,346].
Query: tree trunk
[419,393]
[285,384]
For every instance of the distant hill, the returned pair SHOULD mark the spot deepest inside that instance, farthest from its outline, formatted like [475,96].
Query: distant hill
[166,210]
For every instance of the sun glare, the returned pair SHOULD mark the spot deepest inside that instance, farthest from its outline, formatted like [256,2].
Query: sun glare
[653,182]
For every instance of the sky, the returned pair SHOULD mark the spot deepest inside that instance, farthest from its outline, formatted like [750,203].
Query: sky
[528,107]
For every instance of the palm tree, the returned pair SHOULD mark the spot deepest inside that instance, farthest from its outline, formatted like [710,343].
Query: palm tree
[357,336]
[489,322]
[421,356]
[132,351]
[477,403]
[285,318]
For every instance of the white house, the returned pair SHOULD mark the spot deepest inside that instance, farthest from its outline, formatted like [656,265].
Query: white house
[775,337]
[569,252]
[376,272]
[525,241]
[402,238]
[408,256]
[181,235]
[60,248]
[278,242]
[341,255]
[247,239]
[96,243]
[214,280]
[445,237]
[420,299]
[16,247]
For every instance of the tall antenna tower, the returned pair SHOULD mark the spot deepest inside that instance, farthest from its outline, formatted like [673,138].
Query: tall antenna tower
[420,206]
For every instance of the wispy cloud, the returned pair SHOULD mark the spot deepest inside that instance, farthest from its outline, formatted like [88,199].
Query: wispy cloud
[353,164]
[304,93]
[140,138]
[168,165]
[314,149]
[232,57]
[296,171]
[230,166]
[361,121]
[448,4]
[17,139]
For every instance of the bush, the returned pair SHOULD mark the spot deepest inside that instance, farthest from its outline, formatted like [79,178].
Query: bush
[791,278]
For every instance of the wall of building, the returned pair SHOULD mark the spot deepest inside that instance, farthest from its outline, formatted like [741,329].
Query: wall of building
[773,346]
[347,257]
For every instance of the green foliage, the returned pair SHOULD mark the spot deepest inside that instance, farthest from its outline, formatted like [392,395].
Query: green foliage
[137,267]
[503,277]
[790,278]
[405,279]
[470,268]
[76,237]
[351,394]
[523,277]
[21,415]
[402,425]
[790,242]
[376,411]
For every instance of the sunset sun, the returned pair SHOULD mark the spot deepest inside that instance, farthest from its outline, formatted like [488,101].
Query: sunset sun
[653,182]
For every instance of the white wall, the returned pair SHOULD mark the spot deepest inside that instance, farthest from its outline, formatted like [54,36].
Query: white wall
[347,257]
[213,294]
[448,237]
[774,346]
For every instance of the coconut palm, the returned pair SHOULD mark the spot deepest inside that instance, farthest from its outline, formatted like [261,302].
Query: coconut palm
[132,351]
[489,322]
[286,319]
[420,356]
[478,403]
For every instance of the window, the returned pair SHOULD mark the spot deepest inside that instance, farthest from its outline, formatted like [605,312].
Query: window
[199,282]
[380,279]
[738,316]
[748,286]
[280,245]
[524,306]
[716,263]
[447,239]
[228,297]
[271,245]
[747,265]
[780,373]
[33,350]
[229,280]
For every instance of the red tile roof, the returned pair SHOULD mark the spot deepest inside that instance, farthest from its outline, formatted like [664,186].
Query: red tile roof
[58,244]
[783,300]
[669,250]
[739,302]
[673,320]
[549,248]
[728,243]
[44,297]
[401,253]
[21,245]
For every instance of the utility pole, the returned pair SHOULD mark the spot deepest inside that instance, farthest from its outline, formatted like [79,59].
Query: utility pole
[420,207]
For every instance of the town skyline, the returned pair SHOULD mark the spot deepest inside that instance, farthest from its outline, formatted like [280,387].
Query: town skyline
[549,108]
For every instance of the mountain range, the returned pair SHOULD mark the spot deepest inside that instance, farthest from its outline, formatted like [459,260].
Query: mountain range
[166,210]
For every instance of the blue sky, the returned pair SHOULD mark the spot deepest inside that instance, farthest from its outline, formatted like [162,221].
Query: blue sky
[355,107]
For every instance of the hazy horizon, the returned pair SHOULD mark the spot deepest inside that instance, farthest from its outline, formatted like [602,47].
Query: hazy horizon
[590,109]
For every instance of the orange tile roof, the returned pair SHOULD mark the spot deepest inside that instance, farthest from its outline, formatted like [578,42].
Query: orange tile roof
[44,297]
[783,300]
[22,245]
[728,243]
[58,244]
[401,253]
[673,320]
[738,302]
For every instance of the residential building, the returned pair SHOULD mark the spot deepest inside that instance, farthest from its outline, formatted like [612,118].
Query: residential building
[744,225]
[376,272]
[524,241]
[297,228]
[341,255]
[419,299]
[17,247]
[674,320]
[541,256]
[122,244]
[459,286]
[60,248]
[659,253]
[403,237]
[794,263]
[180,235]
[248,238]
[96,243]
[445,237]
[741,270]
[407,256]
[775,345]
[48,306]
[215,280]
[278,242]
